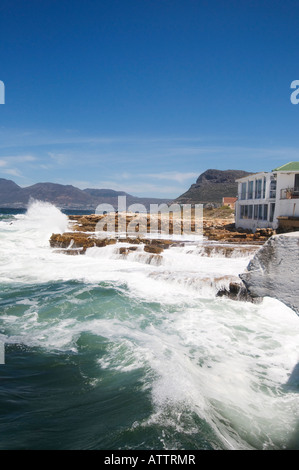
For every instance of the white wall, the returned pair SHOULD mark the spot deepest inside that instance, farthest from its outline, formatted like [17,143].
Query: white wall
[287,207]
[253,224]
[283,207]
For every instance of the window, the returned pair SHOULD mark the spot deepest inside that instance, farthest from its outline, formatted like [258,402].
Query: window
[264,188]
[255,211]
[258,189]
[250,190]
[246,212]
[273,189]
[243,190]
[265,212]
[272,209]
[260,214]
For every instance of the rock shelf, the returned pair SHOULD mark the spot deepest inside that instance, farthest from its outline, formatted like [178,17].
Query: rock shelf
[83,233]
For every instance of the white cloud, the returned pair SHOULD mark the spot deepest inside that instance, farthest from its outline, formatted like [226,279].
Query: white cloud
[8,161]
[12,172]
[24,158]
[180,177]
[60,158]
[136,188]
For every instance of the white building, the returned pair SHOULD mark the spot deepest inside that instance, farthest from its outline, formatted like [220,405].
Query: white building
[265,199]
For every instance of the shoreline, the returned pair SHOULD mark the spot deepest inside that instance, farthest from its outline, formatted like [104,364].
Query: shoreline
[82,233]
[219,238]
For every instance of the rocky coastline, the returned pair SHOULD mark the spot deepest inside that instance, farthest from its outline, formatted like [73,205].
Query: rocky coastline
[82,234]
[220,236]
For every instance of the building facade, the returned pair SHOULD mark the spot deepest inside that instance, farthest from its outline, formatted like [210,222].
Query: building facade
[264,198]
[229,201]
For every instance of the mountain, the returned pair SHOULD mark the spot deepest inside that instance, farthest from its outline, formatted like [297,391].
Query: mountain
[65,196]
[98,193]
[10,191]
[57,193]
[108,196]
[211,186]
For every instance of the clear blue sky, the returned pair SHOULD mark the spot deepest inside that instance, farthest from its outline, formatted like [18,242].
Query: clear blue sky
[144,95]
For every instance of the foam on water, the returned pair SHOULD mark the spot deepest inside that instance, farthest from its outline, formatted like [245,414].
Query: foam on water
[26,257]
[224,362]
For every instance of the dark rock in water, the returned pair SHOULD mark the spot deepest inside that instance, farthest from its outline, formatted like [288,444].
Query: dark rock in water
[153,249]
[237,291]
[71,240]
[71,251]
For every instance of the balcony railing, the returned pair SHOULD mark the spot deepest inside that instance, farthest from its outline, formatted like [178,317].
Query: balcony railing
[289,193]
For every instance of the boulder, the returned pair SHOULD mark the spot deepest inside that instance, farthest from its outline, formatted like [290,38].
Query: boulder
[274,270]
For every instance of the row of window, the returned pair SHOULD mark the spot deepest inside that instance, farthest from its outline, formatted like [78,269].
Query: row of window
[257,211]
[257,189]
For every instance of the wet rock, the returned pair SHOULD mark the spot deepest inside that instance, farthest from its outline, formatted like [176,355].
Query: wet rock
[213,229]
[71,252]
[153,249]
[229,251]
[237,291]
[80,240]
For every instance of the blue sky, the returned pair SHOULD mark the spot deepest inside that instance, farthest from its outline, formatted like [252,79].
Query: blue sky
[144,95]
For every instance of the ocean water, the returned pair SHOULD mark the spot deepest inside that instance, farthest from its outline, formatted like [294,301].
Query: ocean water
[106,352]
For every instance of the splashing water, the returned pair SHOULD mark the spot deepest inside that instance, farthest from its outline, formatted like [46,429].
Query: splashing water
[105,351]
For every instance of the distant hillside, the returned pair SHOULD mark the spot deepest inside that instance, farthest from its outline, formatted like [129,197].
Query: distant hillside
[10,192]
[65,196]
[110,196]
[58,193]
[211,186]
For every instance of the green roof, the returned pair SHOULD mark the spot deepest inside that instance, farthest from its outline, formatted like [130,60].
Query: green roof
[291,166]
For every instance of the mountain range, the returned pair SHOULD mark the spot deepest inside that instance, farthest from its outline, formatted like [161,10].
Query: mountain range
[66,196]
[210,187]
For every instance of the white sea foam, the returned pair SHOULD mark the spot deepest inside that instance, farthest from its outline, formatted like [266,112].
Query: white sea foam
[27,257]
[225,361]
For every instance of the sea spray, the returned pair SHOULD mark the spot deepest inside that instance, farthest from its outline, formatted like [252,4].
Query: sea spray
[105,351]
[45,218]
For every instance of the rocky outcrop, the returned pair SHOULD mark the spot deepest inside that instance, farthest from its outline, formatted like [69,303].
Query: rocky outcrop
[237,291]
[215,229]
[274,270]
[225,250]
[77,243]
[220,230]
[211,186]
[82,235]
[231,243]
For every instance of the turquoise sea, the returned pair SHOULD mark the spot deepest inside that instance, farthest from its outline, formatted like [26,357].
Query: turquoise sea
[110,352]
